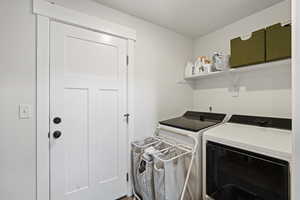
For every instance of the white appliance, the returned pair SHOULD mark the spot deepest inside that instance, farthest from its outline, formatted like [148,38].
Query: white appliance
[248,158]
[193,124]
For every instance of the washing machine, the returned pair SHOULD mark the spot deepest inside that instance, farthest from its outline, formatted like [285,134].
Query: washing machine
[248,158]
[193,124]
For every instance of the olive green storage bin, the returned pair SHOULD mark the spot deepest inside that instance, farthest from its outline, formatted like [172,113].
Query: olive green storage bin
[249,51]
[278,42]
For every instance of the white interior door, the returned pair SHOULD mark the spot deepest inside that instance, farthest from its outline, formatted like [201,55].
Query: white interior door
[88,88]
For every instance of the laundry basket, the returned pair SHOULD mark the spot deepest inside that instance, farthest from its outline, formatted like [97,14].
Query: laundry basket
[137,149]
[170,173]
[161,168]
[142,166]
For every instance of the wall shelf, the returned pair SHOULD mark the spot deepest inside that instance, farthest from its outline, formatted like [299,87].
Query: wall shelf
[248,68]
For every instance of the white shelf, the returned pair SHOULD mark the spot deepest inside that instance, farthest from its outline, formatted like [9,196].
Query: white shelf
[201,76]
[248,68]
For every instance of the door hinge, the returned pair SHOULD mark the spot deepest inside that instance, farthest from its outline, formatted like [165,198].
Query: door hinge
[127,117]
[127,177]
[48,134]
[127,60]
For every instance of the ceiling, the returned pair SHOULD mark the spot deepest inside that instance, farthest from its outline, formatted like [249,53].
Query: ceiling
[192,18]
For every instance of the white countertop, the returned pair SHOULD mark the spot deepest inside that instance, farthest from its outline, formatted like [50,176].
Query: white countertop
[268,141]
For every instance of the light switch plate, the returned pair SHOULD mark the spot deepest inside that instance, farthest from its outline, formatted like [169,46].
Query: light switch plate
[24,111]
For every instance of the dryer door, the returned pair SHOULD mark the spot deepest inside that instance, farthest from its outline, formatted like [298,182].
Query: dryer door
[235,174]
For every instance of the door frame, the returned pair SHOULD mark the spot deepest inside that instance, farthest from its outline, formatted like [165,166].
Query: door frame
[46,12]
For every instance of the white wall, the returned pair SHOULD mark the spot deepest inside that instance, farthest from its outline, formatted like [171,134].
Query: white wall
[160,57]
[17,85]
[266,92]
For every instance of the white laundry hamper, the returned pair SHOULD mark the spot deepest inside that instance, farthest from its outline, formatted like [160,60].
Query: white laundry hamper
[142,167]
[170,174]
[145,179]
[161,169]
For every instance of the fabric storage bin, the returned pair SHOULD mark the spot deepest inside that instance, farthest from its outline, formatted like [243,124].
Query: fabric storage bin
[137,151]
[248,51]
[170,175]
[278,42]
[144,178]
[142,166]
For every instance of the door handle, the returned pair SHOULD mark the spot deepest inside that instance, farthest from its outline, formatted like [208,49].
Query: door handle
[57,134]
[57,120]
[127,117]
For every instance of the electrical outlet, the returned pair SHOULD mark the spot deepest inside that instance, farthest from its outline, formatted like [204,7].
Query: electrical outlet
[24,111]
[235,92]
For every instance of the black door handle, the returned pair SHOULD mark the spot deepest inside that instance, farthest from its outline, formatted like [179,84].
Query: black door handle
[57,134]
[57,120]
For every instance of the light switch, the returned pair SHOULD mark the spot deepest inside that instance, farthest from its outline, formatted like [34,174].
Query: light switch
[24,111]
